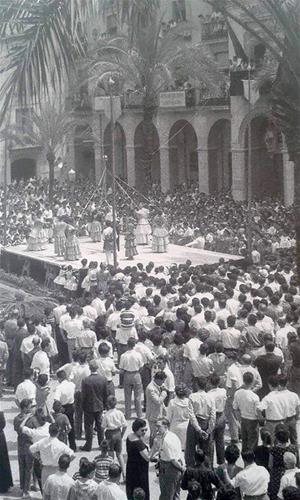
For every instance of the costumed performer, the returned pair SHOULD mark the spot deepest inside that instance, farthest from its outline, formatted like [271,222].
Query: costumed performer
[37,238]
[59,235]
[96,228]
[143,228]
[130,241]
[72,251]
[160,235]
[108,241]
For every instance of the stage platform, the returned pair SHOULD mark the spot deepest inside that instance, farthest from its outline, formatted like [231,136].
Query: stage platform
[93,251]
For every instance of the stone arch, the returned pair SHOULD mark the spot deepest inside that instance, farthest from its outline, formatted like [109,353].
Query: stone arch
[84,152]
[183,155]
[23,168]
[141,176]
[120,151]
[262,109]
[219,156]
[266,166]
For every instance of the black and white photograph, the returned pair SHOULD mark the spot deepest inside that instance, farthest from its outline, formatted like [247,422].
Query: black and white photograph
[150,249]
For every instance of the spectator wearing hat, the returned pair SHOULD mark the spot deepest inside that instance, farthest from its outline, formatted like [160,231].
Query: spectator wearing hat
[124,332]
[131,363]
[94,396]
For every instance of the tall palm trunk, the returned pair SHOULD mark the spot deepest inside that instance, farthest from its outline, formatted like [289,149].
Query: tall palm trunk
[51,161]
[148,143]
[297,209]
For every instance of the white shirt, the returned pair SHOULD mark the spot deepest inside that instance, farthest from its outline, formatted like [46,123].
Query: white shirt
[78,373]
[110,491]
[170,448]
[281,336]
[37,434]
[274,405]
[252,481]
[246,401]
[291,401]
[90,312]
[288,479]
[106,368]
[65,392]
[123,334]
[191,348]
[99,306]
[219,396]
[50,449]
[57,486]
[144,351]
[231,338]
[234,377]
[27,344]
[131,361]
[262,350]
[113,419]
[40,361]
[26,390]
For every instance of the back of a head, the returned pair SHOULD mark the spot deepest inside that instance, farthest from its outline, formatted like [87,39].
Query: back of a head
[232,453]
[291,493]
[114,471]
[86,468]
[248,378]
[270,346]
[53,430]
[139,494]
[248,457]
[64,462]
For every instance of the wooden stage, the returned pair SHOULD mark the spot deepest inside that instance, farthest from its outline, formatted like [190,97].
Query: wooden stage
[93,251]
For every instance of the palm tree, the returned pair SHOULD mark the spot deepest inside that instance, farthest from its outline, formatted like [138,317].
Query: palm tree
[44,39]
[149,63]
[279,30]
[47,129]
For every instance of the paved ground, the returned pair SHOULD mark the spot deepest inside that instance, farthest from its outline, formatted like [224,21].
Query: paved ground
[8,405]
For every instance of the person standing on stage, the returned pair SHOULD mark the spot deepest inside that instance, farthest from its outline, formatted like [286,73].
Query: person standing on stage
[130,242]
[72,250]
[96,228]
[37,238]
[59,236]
[159,235]
[143,228]
[108,241]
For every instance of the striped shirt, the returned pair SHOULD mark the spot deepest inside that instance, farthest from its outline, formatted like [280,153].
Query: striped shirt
[102,467]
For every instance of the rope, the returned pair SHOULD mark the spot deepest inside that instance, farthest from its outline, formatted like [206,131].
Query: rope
[120,186]
[93,192]
[135,190]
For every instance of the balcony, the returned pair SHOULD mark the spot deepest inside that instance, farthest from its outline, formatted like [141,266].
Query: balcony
[214,29]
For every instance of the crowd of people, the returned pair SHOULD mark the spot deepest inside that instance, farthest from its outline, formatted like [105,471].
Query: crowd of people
[213,222]
[208,356]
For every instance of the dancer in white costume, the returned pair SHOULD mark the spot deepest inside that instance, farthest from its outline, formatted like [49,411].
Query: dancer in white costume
[160,235]
[143,228]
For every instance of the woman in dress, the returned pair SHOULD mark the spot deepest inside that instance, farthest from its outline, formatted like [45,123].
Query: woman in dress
[59,236]
[143,228]
[5,471]
[130,243]
[37,237]
[60,279]
[96,228]
[108,241]
[137,467]
[178,413]
[276,464]
[71,282]
[159,235]
[72,251]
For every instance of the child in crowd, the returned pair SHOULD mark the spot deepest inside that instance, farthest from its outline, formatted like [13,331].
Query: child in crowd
[42,392]
[103,462]
[114,425]
[62,421]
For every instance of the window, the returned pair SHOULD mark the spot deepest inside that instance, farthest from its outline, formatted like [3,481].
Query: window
[23,119]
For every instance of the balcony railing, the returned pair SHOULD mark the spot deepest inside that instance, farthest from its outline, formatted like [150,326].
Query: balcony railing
[214,29]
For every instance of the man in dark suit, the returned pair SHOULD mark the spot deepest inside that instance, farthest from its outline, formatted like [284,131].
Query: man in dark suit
[94,395]
[268,365]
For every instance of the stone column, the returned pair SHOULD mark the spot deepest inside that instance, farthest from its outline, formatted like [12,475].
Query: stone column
[239,181]
[203,170]
[130,165]
[288,179]
[98,148]
[70,150]
[164,169]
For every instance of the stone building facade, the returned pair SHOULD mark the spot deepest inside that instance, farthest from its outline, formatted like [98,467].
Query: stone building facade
[196,139]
